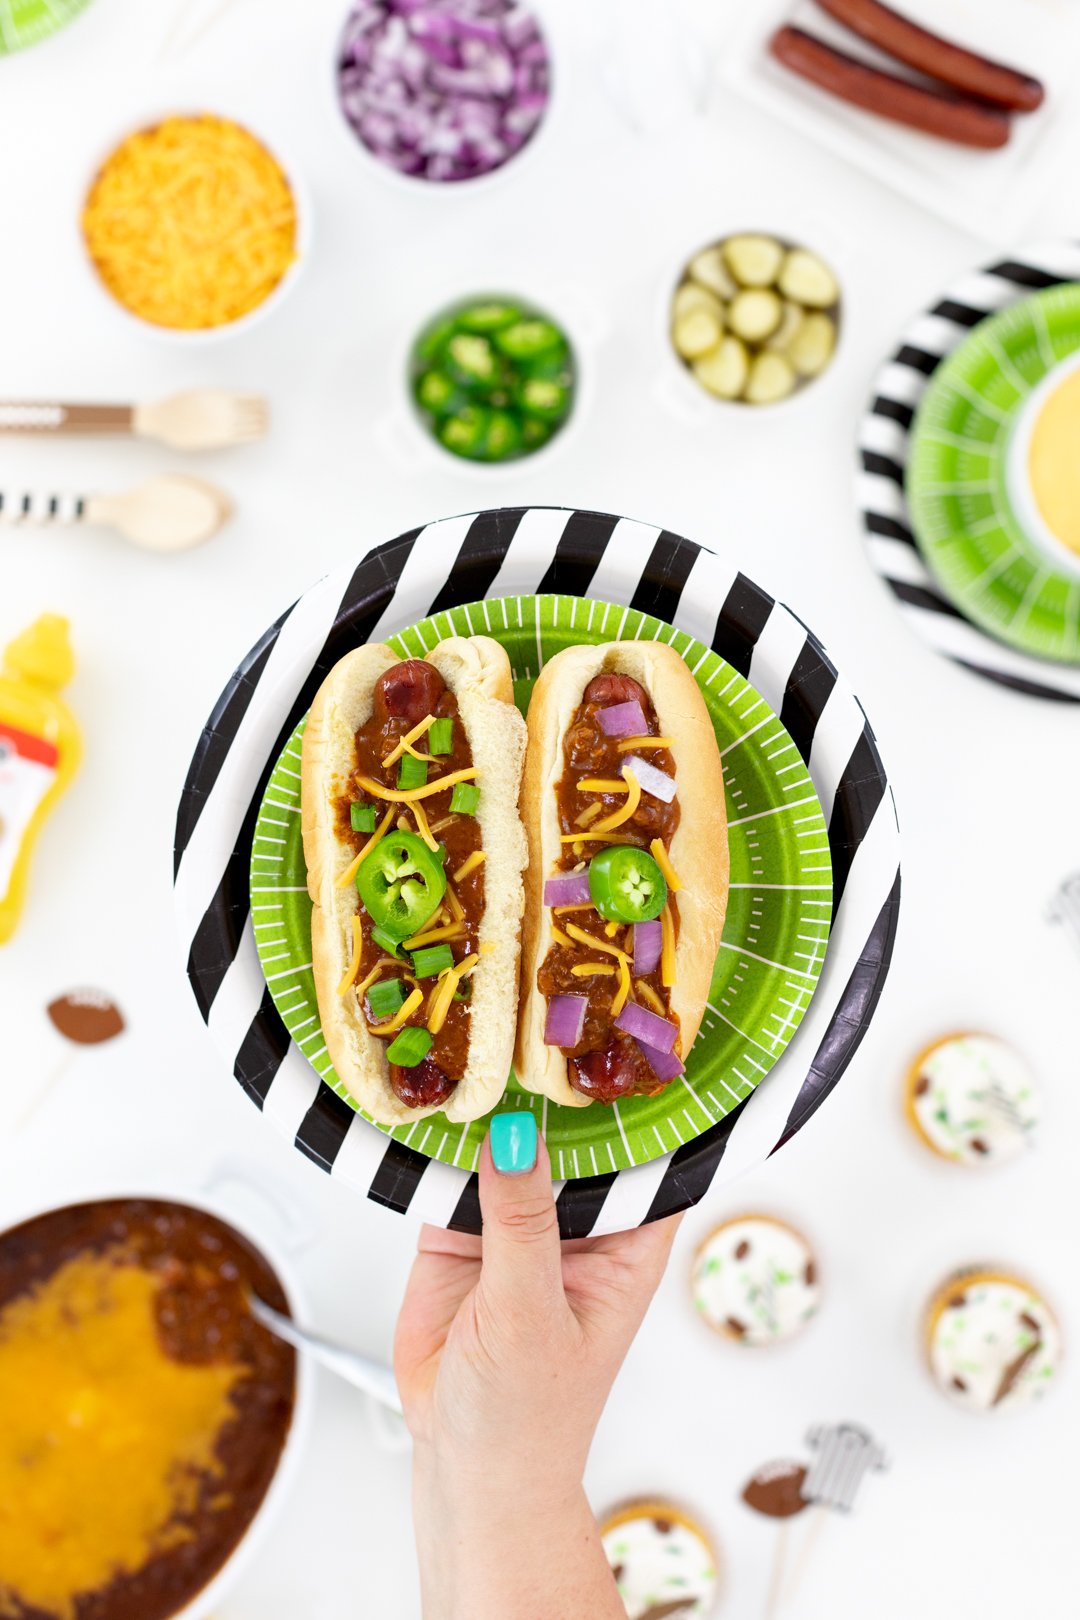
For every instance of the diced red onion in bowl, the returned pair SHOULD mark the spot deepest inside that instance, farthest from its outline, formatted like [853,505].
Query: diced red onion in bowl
[568,889]
[623,719]
[443,89]
[647,1027]
[655,782]
[648,945]
[565,1020]
[665,1065]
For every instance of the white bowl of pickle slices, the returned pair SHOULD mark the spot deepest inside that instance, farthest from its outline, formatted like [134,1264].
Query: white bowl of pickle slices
[755,318]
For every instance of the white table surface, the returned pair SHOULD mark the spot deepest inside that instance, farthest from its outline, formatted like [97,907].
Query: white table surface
[974,1513]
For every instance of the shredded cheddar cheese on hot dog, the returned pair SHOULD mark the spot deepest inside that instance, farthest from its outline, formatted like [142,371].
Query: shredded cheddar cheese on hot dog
[355,864]
[649,995]
[357,952]
[582,905]
[369,978]
[405,1011]
[579,838]
[439,1005]
[634,744]
[667,952]
[423,829]
[475,859]
[410,795]
[589,814]
[625,811]
[585,970]
[601,784]
[457,911]
[663,861]
[623,992]
[563,939]
[405,743]
[430,935]
[191,223]
[598,944]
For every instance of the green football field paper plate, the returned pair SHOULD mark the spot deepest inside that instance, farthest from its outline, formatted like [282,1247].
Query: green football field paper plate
[974,520]
[25,22]
[770,958]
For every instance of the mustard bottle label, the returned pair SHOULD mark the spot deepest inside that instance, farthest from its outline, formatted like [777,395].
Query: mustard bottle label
[28,767]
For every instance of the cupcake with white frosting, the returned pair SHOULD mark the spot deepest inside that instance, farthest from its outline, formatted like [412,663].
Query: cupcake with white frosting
[972,1099]
[664,1562]
[992,1340]
[755,1281]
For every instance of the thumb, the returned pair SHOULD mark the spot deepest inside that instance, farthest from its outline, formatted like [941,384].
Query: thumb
[522,1259]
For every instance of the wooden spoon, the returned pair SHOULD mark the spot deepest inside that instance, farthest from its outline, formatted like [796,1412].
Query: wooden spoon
[169,513]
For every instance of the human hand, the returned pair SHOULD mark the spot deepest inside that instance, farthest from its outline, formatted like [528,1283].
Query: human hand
[506,1350]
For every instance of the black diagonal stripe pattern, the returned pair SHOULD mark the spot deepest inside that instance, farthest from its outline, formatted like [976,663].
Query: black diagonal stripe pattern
[852,1018]
[691,1169]
[400,1172]
[324,1127]
[262,1050]
[918,596]
[1026,275]
[218,736]
[579,1204]
[890,527]
[740,622]
[894,409]
[918,359]
[479,558]
[466,1216]
[859,793]
[885,466]
[1018,683]
[951,309]
[659,590]
[578,554]
[808,689]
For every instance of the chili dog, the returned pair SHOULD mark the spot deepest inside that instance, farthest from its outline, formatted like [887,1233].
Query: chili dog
[623,802]
[410,774]
[936,57]
[943,113]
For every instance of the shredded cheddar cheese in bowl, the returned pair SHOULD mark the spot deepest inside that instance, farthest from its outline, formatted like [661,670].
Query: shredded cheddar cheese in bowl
[191,223]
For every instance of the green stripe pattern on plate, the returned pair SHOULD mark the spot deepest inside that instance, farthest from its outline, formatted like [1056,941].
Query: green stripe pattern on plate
[25,22]
[775,936]
[958,478]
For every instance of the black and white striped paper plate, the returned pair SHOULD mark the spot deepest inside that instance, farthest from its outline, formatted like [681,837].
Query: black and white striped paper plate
[507,552]
[884,444]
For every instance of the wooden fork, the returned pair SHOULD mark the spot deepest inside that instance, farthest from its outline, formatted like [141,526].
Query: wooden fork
[201,419]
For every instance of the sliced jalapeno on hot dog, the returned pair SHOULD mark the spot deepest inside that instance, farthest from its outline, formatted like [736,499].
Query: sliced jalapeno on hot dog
[626,884]
[401,884]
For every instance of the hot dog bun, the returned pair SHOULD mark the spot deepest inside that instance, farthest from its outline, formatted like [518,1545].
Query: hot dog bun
[699,849]
[477,671]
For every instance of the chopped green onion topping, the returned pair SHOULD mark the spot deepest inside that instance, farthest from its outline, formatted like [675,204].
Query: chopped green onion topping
[385,997]
[410,1047]
[362,817]
[432,959]
[412,772]
[464,799]
[386,942]
[441,736]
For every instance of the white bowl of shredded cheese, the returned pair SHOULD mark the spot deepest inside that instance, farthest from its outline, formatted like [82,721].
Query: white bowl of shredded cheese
[193,227]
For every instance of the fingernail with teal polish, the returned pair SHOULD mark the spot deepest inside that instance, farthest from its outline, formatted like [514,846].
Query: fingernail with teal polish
[513,1142]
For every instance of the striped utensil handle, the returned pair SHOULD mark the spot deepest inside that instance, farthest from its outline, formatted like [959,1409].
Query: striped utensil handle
[35,507]
[18,416]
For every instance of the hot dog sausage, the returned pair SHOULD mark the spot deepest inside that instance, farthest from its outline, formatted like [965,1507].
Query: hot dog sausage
[424,1086]
[609,688]
[949,116]
[618,1071]
[938,58]
[408,691]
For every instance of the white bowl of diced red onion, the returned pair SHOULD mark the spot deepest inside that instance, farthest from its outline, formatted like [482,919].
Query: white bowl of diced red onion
[444,91]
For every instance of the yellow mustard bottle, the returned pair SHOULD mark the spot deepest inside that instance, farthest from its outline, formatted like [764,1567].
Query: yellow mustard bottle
[40,749]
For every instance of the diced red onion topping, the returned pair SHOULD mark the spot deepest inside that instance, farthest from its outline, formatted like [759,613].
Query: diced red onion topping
[623,720]
[568,889]
[565,1020]
[647,1027]
[665,1065]
[443,89]
[658,783]
[648,945]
